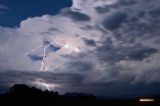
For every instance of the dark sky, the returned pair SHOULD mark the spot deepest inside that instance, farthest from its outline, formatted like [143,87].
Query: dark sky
[104,47]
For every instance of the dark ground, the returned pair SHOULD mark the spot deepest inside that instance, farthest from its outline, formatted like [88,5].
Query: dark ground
[75,103]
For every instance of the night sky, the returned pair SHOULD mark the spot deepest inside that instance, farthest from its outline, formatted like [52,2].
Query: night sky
[103,47]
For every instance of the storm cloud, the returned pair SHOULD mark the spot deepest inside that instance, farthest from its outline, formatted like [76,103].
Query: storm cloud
[100,43]
[114,20]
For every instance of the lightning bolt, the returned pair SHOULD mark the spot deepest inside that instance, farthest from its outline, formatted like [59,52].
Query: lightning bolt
[47,86]
[42,83]
[44,66]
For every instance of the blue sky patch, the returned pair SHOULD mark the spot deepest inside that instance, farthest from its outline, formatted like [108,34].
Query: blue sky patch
[18,10]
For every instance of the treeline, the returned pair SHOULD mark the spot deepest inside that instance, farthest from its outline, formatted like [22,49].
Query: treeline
[24,92]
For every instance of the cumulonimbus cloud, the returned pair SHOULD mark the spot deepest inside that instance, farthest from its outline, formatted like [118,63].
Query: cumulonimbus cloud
[116,41]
